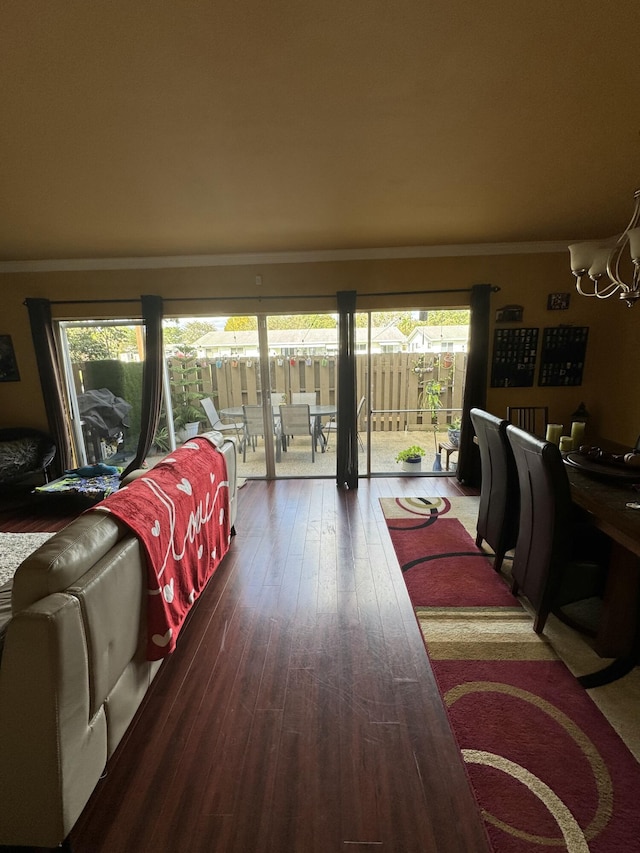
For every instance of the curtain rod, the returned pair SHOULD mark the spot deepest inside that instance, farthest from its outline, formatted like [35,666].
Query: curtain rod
[494,289]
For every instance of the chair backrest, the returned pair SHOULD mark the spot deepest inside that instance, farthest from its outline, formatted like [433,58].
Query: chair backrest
[498,512]
[532,419]
[308,397]
[210,411]
[253,420]
[546,514]
[295,419]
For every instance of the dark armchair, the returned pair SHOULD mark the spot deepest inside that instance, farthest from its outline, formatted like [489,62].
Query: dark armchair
[499,496]
[560,558]
[25,456]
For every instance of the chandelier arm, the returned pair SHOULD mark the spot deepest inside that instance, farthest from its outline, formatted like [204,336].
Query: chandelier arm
[609,290]
[579,285]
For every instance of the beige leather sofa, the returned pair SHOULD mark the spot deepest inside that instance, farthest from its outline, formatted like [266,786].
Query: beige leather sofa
[73,671]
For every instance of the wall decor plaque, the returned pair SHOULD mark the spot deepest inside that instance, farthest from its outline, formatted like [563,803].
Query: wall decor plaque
[514,358]
[562,355]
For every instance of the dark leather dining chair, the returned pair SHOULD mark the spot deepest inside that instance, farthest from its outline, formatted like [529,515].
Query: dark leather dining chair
[530,418]
[559,558]
[499,497]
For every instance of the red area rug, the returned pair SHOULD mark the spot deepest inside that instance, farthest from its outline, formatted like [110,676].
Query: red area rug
[548,770]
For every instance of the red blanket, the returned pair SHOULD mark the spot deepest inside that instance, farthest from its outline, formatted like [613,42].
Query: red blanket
[180,512]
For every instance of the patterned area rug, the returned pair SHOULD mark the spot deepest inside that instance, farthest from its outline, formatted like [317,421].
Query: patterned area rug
[549,771]
[16,547]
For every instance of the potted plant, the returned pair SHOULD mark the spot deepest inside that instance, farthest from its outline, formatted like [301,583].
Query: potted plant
[411,458]
[430,399]
[187,412]
[453,431]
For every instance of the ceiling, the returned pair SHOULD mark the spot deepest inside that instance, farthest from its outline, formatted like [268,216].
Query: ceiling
[180,127]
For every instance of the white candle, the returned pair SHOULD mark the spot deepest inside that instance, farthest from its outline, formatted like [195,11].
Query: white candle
[554,431]
[577,433]
[566,443]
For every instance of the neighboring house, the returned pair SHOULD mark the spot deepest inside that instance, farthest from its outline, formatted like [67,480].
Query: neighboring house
[438,339]
[296,342]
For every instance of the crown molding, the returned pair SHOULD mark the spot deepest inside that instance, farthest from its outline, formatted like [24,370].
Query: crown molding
[267,258]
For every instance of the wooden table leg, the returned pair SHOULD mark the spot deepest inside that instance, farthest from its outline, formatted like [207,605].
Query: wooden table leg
[619,619]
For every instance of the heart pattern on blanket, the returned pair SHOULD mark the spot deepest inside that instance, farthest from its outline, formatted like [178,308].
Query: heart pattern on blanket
[200,550]
[155,530]
[168,591]
[162,639]
[185,486]
[191,445]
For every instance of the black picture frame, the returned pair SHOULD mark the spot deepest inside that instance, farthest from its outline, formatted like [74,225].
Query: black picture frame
[8,364]
[558,301]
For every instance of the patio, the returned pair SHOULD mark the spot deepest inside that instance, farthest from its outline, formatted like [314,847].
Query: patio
[385,445]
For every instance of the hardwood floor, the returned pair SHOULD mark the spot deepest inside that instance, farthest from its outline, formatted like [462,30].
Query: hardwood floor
[299,712]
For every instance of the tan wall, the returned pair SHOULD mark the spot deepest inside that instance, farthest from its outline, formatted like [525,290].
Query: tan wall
[610,385]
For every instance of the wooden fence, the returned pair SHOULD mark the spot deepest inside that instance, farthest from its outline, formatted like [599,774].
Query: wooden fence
[397,382]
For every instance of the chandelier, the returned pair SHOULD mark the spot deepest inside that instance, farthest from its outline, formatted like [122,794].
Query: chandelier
[600,260]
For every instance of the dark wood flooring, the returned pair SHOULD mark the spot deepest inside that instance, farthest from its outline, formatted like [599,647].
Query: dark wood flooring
[299,712]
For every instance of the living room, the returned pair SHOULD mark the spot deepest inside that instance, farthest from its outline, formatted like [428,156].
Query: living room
[236,158]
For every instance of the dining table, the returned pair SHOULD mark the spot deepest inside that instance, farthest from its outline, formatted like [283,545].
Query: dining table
[317,413]
[611,497]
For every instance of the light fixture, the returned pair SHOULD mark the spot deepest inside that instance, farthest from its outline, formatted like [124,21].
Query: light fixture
[600,258]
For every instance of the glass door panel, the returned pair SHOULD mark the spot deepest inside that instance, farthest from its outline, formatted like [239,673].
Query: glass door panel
[412,369]
[302,352]
[103,368]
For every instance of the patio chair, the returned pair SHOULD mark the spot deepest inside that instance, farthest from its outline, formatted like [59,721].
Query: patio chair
[308,397]
[214,419]
[296,420]
[253,426]
[332,424]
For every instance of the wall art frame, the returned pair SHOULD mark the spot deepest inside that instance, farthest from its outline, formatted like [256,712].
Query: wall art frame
[8,364]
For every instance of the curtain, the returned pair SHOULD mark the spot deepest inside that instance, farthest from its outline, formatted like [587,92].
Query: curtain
[51,381]
[475,389]
[152,310]
[347,455]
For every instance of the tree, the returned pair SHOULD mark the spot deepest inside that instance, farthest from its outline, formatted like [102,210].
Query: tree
[449,317]
[97,343]
[302,321]
[241,324]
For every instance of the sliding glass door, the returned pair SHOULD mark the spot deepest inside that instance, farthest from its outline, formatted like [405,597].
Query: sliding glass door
[103,362]
[239,371]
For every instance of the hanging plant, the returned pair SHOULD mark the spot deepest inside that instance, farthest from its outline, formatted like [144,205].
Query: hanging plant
[292,362]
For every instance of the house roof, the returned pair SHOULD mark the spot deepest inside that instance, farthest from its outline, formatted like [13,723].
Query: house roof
[137,129]
[439,333]
[279,338]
